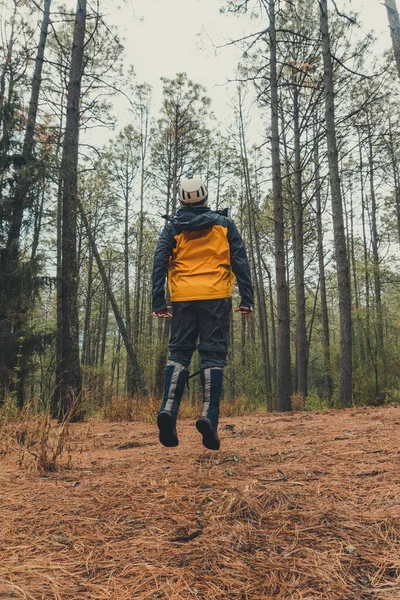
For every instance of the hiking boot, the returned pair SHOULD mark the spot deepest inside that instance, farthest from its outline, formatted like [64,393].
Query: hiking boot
[210,435]
[207,423]
[167,429]
[175,379]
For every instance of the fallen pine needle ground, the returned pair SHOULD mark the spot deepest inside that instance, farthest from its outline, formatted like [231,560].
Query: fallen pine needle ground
[302,506]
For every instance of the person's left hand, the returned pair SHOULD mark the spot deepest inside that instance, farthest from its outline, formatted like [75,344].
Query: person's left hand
[245,310]
[163,313]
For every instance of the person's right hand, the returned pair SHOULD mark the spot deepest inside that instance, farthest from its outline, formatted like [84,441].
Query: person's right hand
[163,313]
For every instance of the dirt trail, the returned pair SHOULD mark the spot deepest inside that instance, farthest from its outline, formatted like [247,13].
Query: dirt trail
[295,507]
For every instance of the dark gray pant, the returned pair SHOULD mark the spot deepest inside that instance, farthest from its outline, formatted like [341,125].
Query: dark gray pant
[206,320]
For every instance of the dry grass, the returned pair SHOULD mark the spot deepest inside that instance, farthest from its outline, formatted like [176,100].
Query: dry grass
[294,507]
[35,439]
[298,401]
[123,408]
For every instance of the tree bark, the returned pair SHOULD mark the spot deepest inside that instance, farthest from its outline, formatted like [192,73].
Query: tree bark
[71,377]
[55,400]
[396,178]
[144,125]
[301,332]
[5,69]
[283,338]
[256,263]
[86,342]
[25,176]
[343,276]
[394,26]
[273,328]
[37,225]
[359,338]
[364,209]
[376,270]
[105,321]
[130,375]
[322,282]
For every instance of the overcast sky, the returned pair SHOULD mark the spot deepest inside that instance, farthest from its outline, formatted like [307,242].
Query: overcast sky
[164,37]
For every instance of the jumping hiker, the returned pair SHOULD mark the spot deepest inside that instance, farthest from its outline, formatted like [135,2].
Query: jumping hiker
[202,252]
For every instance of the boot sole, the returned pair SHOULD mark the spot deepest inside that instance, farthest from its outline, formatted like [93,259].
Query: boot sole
[209,440]
[167,433]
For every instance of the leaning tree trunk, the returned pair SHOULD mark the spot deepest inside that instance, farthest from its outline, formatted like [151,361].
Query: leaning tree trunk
[121,326]
[70,375]
[342,263]
[25,176]
[283,338]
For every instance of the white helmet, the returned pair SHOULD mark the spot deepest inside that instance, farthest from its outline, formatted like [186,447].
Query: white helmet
[192,191]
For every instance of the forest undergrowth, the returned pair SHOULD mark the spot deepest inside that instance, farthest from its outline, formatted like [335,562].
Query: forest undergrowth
[297,506]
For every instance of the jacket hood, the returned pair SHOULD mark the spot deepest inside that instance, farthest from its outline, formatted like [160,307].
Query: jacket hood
[194,219]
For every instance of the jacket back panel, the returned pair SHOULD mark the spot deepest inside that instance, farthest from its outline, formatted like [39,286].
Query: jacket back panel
[200,266]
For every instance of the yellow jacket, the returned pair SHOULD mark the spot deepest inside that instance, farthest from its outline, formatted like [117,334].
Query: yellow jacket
[201,251]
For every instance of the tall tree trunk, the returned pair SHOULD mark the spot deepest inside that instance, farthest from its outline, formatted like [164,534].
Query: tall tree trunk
[301,333]
[364,209]
[376,270]
[322,281]
[353,263]
[396,177]
[37,224]
[164,326]
[289,197]
[86,342]
[273,328]
[394,26]
[4,70]
[343,276]
[139,264]
[24,179]
[130,375]
[56,396]
[263,300]
[96,334]
[105,320]
[283,342]
[256,264]
[15,279]
[219,156]
[117,363]
[175,161]
[71,378]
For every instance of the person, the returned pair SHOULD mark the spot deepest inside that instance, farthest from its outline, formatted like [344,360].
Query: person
[202,252]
